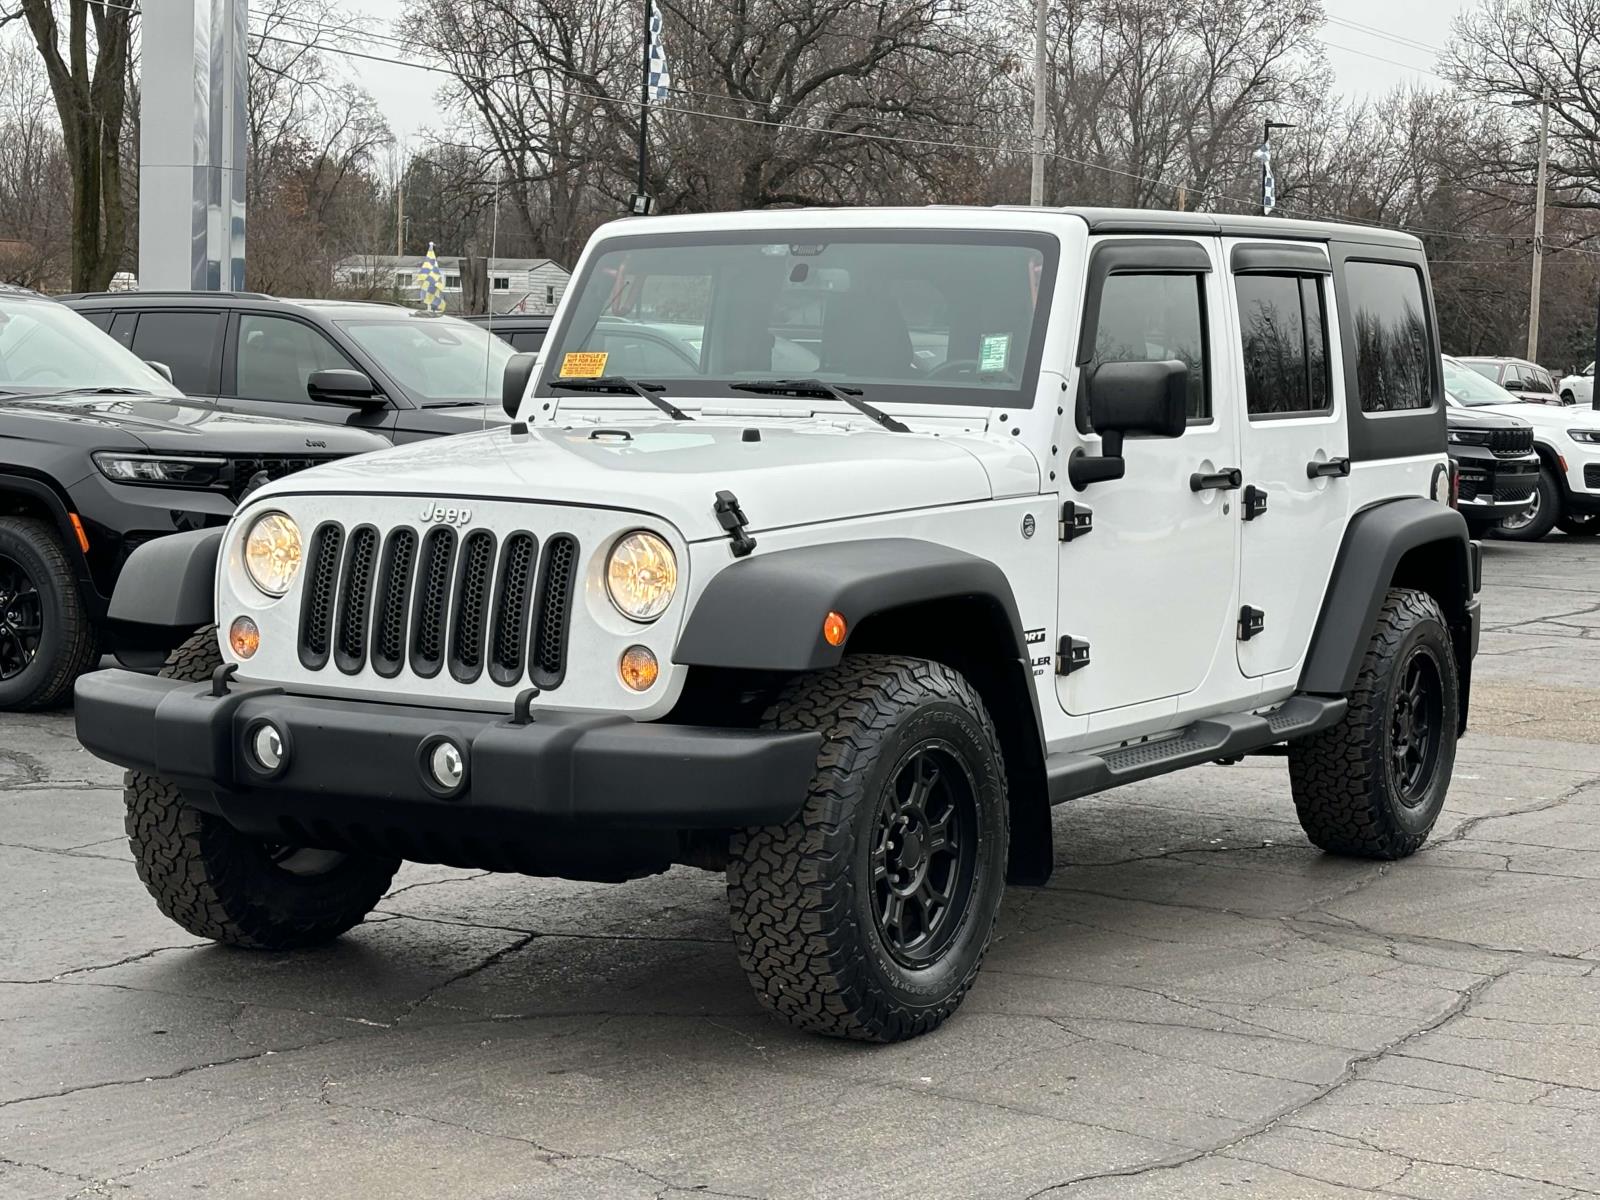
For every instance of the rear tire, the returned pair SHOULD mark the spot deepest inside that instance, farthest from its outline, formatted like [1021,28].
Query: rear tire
[868,915]
[46,637]
[219,884]
[1373,785]
[1541,516]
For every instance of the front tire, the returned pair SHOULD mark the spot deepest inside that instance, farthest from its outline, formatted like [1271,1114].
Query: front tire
[868,915]
[1541,514]
[1373,785]
[46,637]
[219,884]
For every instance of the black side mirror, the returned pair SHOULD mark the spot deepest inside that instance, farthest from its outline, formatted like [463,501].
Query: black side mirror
[1131,397]
[160,368]
[519,369]
[338,385]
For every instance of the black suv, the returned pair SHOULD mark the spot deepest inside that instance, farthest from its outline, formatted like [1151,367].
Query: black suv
[99,454]
[524,331]
[399,372]
[1497,468]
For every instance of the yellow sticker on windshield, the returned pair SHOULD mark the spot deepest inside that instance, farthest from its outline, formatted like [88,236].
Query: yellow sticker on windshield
[583,364]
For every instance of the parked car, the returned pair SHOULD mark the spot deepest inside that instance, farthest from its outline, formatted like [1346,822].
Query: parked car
[395,371]
[524,331]
[848,636]
[1579,388]
[1496,467]
[1523,379]
[100,454]
[1567,441]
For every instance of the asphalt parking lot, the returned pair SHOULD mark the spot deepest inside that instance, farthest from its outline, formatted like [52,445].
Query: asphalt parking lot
[1198,1005]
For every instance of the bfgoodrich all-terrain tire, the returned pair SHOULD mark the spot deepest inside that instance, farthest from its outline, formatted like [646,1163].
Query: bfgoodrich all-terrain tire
[868,915]
[1373,785]
[218,883]
[46,638]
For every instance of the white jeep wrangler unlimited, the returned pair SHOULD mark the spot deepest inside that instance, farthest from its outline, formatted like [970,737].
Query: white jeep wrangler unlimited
[831,549]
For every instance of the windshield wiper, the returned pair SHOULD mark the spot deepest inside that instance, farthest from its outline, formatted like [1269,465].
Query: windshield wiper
[617,385]
[96,391]
[827,391]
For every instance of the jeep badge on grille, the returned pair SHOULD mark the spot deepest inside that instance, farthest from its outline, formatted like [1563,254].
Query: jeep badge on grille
[439,514]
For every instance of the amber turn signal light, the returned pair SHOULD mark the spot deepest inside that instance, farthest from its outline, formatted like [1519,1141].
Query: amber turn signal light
[243,637]
[834,629]
[638,668]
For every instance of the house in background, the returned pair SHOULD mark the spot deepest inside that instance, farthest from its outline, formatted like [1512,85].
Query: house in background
[516,285]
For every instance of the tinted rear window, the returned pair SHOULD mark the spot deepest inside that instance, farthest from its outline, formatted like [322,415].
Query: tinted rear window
[1391,328]
[186,342]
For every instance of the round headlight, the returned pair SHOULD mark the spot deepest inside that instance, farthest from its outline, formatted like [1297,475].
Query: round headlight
[272,552]
[641,576]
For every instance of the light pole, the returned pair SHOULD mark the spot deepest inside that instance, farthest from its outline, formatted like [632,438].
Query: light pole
[1269,186]
[1538,218]
[1036,187]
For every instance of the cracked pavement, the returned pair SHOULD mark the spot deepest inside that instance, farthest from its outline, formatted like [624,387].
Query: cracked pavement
[1199,1004]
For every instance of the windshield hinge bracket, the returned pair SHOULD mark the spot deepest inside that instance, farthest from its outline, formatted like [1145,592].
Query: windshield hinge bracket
[1076,520]
[732,519]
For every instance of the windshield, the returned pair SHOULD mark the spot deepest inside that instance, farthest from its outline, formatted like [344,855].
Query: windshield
[925,316]
[45,347]
[437,359]
[1466,386]
[1489,370]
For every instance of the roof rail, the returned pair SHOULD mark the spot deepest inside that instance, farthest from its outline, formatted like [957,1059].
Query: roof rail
[164,292]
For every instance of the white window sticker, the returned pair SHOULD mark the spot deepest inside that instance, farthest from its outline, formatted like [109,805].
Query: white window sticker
[993,352]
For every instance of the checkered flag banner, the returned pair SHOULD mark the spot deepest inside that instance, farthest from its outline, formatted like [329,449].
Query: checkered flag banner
[660,79]
[430,282]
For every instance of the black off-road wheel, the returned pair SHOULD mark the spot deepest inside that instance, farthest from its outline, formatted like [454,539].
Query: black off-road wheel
[219,884]
[1541,515]
[46,637]
[1373,785]
[868,915]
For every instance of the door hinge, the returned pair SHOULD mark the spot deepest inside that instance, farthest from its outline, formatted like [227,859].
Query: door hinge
[731,517]
[1254,502]
[1251,622]
[1076,521]
[1072,654]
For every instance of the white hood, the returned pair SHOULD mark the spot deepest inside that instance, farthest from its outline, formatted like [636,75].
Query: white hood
[795,474]
[1546,416]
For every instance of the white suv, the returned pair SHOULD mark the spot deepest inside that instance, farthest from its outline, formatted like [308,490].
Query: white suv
[1579,388]
[932,518]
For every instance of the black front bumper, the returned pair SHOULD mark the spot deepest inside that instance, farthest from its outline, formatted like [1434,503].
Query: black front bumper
[355,773]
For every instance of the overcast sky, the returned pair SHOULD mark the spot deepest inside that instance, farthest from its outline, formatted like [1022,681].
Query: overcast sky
[1365,61]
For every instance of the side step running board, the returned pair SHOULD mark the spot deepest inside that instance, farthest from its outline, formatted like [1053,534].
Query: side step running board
[1226,735]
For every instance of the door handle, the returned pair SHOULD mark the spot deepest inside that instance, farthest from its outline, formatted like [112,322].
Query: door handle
[1333,468]
[1223,480]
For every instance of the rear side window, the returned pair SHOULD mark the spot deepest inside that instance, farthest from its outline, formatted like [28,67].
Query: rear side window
[186,342]
[1285,341]
[100,320]
[1156,318]
[526,341]
[1391,334]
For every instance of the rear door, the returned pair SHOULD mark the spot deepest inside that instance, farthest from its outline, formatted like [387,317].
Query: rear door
[187,341]
[1295,453]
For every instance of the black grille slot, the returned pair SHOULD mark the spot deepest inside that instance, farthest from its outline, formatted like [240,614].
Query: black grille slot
[469,612]
[355,600]
[556,577]
[316,605]
[428,606]
[245,475]
[1511,443]
[394,590]
[1591,475]
[513,594]
[1515,487]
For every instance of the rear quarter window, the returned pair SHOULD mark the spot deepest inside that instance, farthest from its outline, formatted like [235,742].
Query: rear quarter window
[1389,318]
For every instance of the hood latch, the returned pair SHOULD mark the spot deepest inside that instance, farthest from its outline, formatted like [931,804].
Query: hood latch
[731,517]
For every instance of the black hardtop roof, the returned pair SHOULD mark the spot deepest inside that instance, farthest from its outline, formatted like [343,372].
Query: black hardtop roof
[1146,220]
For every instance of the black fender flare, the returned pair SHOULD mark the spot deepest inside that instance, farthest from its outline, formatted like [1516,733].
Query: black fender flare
[170,581]
[51,500]
[1375,542]
[765,612]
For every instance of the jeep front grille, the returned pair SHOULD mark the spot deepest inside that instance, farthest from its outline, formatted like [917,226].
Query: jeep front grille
[431,601]
[1511,443]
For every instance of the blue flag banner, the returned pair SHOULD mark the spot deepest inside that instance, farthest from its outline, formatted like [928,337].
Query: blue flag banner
[430,282]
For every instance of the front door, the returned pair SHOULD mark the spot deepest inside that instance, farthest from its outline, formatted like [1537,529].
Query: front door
[1294,448]
[1151,588]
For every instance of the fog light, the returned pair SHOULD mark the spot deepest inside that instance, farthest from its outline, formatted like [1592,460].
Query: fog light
[638,668]
[243,637]
[266,744]
[445,764]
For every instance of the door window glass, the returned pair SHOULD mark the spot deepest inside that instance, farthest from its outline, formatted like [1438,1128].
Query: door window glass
[1284,335]
[186,342]
[100,320]
[1156,318]
[1391,335]
[1537,381]
[1512,380]
[526,341]
[277,356]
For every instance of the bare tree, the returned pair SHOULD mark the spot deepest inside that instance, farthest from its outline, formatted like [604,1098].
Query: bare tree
[87,68]
[35,184]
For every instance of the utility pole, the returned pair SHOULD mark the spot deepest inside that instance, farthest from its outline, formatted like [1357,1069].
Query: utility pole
[1036,188]
[1538,226]
[400,216]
